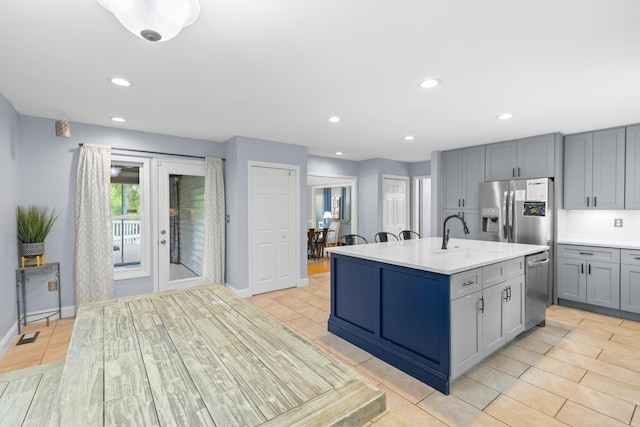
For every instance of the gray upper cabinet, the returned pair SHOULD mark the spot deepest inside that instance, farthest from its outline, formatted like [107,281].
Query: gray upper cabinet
[632,169]
[594,170]
[521,159]
[462,172]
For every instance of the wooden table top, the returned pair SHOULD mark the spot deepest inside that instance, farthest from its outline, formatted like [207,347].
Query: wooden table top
[202,356]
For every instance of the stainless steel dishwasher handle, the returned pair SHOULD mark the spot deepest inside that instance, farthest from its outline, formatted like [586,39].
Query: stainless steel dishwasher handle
[536,263]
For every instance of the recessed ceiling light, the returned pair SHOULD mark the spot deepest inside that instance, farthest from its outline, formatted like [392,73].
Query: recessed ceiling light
[338,153]
[119,119]
[118,81]
[409,138]
[334,119]
[505,116]
[429,83]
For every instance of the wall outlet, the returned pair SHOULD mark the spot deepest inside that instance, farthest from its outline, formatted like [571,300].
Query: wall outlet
[617,222]
[53,286]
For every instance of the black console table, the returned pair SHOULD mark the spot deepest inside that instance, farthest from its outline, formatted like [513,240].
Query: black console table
[22,278]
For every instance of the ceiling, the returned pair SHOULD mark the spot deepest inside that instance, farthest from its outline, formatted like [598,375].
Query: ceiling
[276,70]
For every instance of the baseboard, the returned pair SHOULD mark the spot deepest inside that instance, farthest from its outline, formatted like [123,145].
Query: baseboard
[303,282]
[7,340]
[242,293]
[68,311]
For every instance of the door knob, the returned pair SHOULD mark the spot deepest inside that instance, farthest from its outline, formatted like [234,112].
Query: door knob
[163,241]
[163,232]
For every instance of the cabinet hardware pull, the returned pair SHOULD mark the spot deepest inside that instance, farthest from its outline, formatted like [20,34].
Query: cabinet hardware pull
[463,203]
[458,202]
[637,257]
[509,292]
[518,171]
[586,253]
[470,282]
[581,268]
[513,172]
[506,295]
[589,268]
[482,306]
[587,201]
[595,201]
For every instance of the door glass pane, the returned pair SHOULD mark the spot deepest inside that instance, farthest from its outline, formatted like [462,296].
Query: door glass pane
[125,216]
[186,226]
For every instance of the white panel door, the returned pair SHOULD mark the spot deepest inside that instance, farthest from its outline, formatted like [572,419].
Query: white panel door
[272,224]
[394,209]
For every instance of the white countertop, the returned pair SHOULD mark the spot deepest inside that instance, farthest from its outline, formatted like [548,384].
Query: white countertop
[425,254]
[603,243]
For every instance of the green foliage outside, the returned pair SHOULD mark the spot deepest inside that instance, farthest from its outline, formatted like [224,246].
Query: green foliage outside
[125,199]
[34,223]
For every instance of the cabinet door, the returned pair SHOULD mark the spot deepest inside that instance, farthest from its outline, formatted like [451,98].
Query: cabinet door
[466,330]
[630,288]
[578,163]
[452,179]
[501,161]
[603,284]
[608,169]
[536,157]
[632,169]
[492,319]
[472,175]
[514,308]
[572,279]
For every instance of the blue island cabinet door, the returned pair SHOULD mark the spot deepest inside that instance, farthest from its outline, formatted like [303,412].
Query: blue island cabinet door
[355,293]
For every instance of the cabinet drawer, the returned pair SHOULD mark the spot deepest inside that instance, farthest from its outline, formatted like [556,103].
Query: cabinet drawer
[465,283]
[494,274]
[630,257]
[515,267]
[589,253]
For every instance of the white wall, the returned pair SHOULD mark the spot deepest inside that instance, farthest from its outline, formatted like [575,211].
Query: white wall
[577,225]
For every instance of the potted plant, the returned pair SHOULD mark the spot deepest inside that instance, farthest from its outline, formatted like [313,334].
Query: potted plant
[34,223]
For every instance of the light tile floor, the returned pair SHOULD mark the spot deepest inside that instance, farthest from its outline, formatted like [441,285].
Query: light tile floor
[582,369]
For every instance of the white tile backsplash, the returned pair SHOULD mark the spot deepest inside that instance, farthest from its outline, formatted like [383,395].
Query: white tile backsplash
[598,226]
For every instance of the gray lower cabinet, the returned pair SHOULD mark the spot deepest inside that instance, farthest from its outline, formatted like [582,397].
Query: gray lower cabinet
[589,275]
[524,158]
[630,281]
[484,320]
[594,170]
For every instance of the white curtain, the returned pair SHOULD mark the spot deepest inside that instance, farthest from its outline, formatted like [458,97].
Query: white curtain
[94,243]
[214,223]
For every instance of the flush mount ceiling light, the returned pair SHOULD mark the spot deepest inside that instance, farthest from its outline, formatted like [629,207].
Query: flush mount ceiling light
[338,153]
[154,20]
[409,138]
[119,81]
[505,116]
[119,119]
[334,119]
[429,83]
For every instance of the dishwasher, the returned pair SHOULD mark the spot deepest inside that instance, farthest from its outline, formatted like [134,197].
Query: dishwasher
[536,277]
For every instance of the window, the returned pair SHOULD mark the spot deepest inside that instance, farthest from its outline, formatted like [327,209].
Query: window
[130,216]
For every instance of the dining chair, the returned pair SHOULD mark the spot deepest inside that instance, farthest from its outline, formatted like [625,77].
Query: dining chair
[408,234]
[321,242]
[385,236]
[311,248]
[352,239]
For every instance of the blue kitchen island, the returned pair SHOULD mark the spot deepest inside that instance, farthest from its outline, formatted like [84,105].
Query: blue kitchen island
[423,309]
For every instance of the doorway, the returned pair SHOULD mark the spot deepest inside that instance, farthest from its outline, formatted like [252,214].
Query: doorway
[422,205]
[273,228]
[180,224]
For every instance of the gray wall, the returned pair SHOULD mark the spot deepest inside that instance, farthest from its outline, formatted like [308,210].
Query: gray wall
[317,165]
[9,137]
[238,152]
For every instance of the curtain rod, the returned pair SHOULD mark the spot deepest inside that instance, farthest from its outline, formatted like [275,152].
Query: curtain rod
[155,152]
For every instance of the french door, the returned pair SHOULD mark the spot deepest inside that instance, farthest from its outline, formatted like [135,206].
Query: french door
[180,223]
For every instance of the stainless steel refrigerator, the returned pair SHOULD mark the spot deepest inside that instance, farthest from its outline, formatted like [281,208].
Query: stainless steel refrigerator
[520,211]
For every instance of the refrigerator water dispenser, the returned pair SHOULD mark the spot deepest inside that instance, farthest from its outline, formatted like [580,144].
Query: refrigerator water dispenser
[490,220]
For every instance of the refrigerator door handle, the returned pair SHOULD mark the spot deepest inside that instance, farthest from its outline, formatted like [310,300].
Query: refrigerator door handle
[504,215]
[512,203]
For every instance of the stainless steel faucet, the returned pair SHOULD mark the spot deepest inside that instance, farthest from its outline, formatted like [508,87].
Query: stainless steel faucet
[445,236]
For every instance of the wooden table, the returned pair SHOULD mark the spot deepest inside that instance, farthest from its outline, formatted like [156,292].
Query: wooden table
[202,356]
